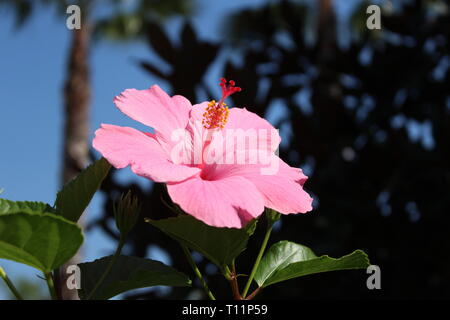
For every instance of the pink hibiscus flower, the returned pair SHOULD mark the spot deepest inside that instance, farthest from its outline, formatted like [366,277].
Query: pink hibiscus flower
[219,164]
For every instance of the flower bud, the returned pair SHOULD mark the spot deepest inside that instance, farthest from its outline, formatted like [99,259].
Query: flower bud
[126,212]
[272,216]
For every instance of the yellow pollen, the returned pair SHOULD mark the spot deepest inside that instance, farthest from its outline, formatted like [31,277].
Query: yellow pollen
[215,116]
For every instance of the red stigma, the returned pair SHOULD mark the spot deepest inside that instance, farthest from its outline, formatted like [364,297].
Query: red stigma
[216,114]
[228,89]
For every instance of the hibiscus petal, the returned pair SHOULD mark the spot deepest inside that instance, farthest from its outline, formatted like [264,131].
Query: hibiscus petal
[230,202]
[241,118]
[155,108]
[280,184]
[123,146]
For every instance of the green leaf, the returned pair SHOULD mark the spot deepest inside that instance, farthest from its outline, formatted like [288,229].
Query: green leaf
[219,245]
[75,196]
[127,273]
[7,206]
[286,260]
[44,241]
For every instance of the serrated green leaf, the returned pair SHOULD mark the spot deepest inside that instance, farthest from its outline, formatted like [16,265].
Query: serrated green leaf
[75,196]
[8,206]
[219,245]
[44,241]
[127,273]
[286,260]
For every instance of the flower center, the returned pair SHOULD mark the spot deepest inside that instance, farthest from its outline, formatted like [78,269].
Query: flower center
[216,114]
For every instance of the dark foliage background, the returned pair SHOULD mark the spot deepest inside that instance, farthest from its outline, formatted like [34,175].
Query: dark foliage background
[370,123]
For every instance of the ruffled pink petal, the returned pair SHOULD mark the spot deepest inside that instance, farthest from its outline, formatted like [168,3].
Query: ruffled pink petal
[241,118]
[281,185]
[124,146]
[155,108]
[229,202]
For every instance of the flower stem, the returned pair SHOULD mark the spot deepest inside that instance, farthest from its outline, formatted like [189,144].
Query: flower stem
[9,284]
[234,283]
[197,272]
[253,294]
[50,284]
[258,259]
[108,268]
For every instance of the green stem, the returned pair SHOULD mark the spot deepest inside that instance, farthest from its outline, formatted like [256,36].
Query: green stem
[108,268]
[50,284]
[226,272]
[258,259]
[197,272]
[9,284]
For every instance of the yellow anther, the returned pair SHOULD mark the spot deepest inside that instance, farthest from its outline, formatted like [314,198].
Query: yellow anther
[215,116]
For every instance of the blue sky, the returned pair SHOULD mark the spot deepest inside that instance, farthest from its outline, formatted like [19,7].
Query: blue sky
[32,70]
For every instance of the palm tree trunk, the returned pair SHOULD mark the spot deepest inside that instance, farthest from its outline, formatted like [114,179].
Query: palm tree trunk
[77,101]
[76,129]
